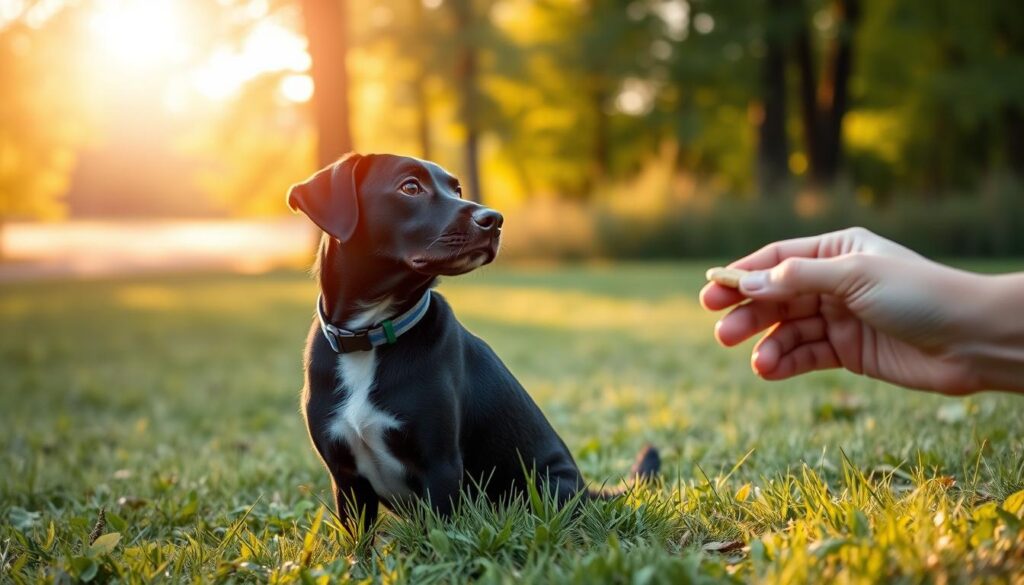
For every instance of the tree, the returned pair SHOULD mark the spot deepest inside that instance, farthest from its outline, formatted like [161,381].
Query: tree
[467,29]
[824,104]
[41,125]
[772,147]
[328,46]
[419,84]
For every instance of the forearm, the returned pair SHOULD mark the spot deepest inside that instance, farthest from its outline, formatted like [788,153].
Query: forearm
[996,352]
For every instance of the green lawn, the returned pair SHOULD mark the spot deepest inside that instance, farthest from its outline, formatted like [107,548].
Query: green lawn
[172,403]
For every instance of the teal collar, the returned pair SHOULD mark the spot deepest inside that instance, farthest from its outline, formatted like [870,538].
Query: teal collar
[388,331]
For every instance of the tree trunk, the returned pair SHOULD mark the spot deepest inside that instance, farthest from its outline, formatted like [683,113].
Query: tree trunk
[1014,118]
[1009,34]
[423,113]
[823,108]
[466,74]
[602,138]
[772,150]
[808,102]
[420,91]
[834,96]
[328,45]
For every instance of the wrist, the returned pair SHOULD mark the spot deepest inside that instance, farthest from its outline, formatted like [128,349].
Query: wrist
[993,332]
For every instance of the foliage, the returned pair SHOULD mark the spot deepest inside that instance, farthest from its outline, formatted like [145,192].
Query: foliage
[265,149]
[565,97]
[170,403]
[41,125]
[656,215]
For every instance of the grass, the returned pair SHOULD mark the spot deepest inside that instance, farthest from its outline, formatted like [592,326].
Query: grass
[169,406]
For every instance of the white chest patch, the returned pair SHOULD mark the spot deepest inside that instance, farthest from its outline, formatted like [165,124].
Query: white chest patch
[363,426]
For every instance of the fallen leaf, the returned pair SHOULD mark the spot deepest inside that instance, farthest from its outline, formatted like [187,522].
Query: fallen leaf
[742,493]
[1015,503]
[105,544]
[722,546]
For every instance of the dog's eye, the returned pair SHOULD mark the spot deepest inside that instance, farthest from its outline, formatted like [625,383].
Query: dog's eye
[410,188]
[458,191]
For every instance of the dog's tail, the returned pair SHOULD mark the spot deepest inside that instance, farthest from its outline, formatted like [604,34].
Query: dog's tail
[647,465]
[646,468]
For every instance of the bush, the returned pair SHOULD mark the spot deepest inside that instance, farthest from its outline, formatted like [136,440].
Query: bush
[670,225]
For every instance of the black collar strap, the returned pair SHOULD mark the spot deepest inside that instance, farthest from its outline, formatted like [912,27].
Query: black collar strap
[388,331]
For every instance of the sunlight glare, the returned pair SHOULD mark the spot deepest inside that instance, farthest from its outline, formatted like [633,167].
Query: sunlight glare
[297,88]
[10,9]
[636,98]
[34,14]
[140,33]
[269,47]
[675,14]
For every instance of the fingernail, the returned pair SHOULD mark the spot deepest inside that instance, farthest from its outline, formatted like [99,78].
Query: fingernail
[754,281]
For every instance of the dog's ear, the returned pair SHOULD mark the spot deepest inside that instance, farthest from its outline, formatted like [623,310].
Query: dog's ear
[329,197]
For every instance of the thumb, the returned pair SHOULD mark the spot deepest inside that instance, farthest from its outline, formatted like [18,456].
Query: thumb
[796,276]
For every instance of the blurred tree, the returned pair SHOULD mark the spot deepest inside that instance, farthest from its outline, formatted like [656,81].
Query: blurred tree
[564,97]
[420,82]
[246,147]
[719,74]
[571,92]
[772,146]
[41,123]
[824,103]
[939,119]
[610,47]
[1008,47]
[326,30]
[252,148]
[468,32]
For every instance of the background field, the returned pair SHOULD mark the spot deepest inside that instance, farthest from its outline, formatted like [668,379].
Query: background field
[172,403]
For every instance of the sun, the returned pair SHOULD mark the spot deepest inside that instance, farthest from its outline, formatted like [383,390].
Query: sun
[140,33]
[153,36]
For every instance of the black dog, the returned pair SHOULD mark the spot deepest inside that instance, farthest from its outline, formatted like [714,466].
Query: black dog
[400,400]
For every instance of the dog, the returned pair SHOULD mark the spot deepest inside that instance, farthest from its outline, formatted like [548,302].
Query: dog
[400,400]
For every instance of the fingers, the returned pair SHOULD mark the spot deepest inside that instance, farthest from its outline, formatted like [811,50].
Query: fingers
[786,267]
[745,321]
[715,297]
[795,276]
[794,348]
[776,252]
[826,245]
[810,357]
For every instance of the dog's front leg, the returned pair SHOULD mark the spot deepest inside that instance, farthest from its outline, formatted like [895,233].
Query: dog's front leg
[441,486]
[354,498]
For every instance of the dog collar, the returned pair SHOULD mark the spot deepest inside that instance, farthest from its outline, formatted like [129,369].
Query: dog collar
[389,330]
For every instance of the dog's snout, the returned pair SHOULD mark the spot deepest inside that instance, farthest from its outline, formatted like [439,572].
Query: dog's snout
[488,219]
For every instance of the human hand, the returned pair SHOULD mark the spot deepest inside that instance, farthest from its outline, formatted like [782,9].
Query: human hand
[855,300]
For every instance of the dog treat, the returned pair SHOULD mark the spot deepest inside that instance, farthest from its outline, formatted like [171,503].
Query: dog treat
[729,277]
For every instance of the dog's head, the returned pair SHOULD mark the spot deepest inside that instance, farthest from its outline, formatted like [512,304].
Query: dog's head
[403,209]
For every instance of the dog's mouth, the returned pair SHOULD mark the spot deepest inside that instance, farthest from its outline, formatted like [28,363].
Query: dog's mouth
[454,254]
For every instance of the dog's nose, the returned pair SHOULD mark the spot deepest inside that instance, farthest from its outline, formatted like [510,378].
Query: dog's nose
[488,219]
